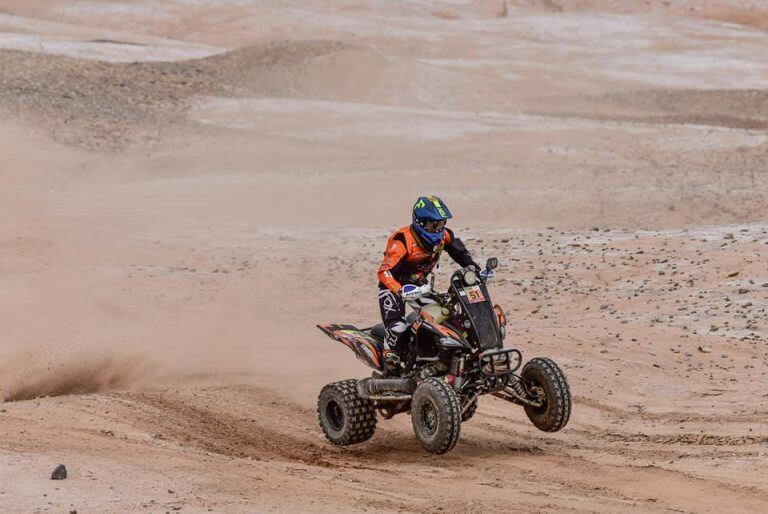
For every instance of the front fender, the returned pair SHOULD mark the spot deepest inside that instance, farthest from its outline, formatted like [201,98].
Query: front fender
[446,337]
[451,343]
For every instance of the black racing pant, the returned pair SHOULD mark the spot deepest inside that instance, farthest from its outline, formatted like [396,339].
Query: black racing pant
[392,309]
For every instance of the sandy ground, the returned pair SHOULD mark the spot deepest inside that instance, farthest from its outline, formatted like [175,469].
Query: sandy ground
[188,187]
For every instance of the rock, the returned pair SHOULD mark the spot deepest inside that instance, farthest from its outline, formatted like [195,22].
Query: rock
[743,290]
[60,473]
[728,236]
[704,349]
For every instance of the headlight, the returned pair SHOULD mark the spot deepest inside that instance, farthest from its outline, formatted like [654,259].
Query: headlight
[470,278]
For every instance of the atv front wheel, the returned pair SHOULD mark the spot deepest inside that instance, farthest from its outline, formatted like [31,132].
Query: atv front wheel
[345,417]
[436,415]
[543,378]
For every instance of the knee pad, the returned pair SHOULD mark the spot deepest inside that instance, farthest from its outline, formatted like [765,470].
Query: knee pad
[398,328]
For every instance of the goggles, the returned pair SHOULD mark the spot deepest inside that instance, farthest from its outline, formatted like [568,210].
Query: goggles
[433,226]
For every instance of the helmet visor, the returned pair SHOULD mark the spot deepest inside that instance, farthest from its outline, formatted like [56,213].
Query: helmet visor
[433,226]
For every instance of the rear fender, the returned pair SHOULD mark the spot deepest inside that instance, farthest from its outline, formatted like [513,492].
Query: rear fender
[367,349]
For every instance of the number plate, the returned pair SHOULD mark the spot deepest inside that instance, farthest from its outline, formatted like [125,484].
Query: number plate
[474,294]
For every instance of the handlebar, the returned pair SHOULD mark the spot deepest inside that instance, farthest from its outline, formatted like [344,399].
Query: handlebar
[414,292]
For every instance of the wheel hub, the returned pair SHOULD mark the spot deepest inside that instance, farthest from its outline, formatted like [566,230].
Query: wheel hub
[335,415]
[541,396]
[429,417]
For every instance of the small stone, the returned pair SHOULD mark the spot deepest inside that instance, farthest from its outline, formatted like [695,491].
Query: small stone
[743,290]
[60,473]
[704,349]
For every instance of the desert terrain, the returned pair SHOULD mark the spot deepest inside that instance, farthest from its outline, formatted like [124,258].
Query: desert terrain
[187,187]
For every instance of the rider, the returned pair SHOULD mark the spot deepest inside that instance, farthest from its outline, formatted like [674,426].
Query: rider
[412,252]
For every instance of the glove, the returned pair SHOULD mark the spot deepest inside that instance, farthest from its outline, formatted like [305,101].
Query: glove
[412,292]
[487,275]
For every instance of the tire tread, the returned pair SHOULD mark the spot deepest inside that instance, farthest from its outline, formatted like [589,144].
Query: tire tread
[450,400]
[360,414]
[563,391]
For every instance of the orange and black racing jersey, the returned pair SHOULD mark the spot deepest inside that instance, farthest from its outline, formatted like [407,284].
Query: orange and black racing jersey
[406,261]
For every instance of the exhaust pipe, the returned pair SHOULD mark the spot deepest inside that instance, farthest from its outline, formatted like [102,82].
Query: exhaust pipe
[378,386]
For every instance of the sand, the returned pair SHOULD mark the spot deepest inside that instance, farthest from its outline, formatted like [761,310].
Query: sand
[188,187]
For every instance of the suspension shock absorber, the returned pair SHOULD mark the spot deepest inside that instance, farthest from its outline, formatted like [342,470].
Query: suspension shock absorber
[459,380]
[517,386]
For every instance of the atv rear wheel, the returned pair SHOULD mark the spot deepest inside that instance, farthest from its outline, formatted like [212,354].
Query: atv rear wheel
[436,415]
[544,378]
[345,417]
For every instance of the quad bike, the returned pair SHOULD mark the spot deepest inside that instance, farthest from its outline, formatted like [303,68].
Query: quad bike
[454,355]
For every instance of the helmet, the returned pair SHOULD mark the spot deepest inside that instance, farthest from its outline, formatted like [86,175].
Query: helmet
[429,217]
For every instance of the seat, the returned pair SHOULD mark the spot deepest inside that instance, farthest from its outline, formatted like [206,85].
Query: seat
[378,332]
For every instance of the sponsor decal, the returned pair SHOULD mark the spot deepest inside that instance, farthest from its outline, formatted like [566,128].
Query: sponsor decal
[439,206]
[367,351]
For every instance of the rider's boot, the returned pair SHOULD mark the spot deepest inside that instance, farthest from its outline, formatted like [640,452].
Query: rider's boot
[391,363]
